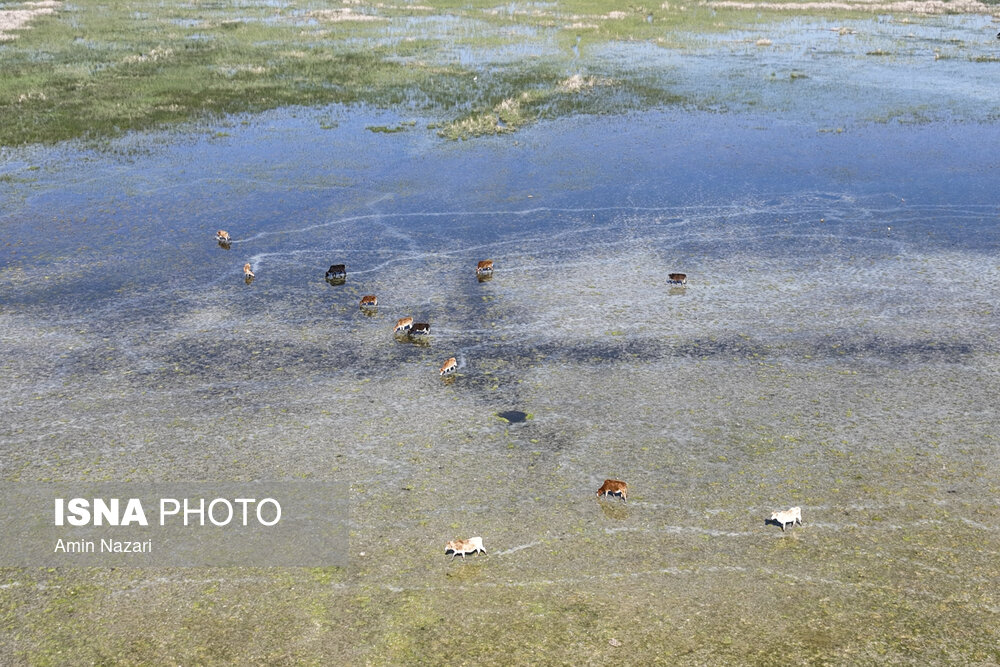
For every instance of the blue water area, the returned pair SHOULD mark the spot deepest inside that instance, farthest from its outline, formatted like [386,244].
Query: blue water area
[94,228]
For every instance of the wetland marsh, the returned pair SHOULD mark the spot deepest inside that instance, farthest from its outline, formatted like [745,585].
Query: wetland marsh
[835,348]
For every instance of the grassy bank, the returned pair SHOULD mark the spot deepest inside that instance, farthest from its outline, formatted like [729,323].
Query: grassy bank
[95,69]
[91,69]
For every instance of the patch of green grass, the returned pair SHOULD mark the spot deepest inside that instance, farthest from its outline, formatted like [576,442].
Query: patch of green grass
[11,178]
[540,92]
[95,69]
[385,129]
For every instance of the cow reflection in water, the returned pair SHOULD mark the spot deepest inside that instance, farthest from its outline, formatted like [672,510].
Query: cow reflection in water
[615,511]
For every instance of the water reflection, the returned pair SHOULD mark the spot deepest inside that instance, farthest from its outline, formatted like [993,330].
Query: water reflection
[513,416]
[616,511]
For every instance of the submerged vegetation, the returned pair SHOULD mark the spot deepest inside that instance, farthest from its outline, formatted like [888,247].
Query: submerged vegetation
[837,348]
[92,69]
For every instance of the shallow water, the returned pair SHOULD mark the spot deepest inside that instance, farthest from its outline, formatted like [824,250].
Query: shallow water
[832,72]
[835,348]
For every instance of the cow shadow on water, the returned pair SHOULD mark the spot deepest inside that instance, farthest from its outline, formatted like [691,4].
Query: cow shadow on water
[774,522]
[614,509]
[417,341]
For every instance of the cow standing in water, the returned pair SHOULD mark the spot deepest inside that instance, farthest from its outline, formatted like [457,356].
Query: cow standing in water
[614,487]
[449,366]
[792,516]
[677,279]
[469,546]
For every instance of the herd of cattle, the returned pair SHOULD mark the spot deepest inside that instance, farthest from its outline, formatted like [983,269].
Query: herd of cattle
[405,326]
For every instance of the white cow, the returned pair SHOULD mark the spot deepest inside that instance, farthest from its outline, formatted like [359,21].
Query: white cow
[469,546]
[791,516]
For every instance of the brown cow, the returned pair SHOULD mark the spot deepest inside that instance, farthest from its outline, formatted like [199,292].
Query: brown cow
[614,487]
